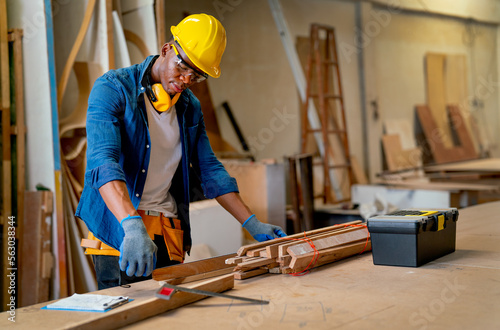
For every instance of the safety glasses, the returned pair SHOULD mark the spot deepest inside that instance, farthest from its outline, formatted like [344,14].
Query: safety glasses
[186,70]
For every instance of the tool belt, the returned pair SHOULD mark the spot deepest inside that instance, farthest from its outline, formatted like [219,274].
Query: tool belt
[156,224]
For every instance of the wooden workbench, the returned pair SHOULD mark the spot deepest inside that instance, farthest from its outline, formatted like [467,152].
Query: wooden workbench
[458,291]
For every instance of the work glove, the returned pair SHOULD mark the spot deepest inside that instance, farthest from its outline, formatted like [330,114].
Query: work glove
[137,251]
[262,231]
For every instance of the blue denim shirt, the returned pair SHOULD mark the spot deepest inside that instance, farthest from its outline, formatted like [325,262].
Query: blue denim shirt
[118,148]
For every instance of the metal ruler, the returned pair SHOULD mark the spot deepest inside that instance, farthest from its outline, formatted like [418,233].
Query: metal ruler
[168,290]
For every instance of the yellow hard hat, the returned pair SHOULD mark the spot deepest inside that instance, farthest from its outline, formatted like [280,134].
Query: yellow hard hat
[203,39]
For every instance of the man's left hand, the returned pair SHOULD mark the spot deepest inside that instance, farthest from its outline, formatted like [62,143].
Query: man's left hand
[262,231]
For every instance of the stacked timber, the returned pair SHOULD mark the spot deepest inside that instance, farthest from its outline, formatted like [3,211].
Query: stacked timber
[296,254]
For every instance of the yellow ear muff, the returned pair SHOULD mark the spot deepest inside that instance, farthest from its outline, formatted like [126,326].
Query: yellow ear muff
[164,102]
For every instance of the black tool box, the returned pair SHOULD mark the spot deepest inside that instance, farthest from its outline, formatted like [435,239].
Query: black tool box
[412,237]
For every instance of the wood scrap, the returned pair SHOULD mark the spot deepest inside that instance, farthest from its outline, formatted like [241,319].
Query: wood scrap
[244,249]
[231,261]
[37,242]
[398,158]
[15,37]
[282,248]
[6,165]
[459,126]
[436,94]
[247,265]
[482,166]
[327,242]
[358,171]
[300,263]
[293,254]
[199,277]
[256,252]
[192,268]
[434,137]
[243,275]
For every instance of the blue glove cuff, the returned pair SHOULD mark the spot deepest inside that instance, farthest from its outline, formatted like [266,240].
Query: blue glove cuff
[244,223]
[129,217]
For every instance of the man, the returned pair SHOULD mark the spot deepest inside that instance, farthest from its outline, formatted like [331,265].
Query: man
[145,130]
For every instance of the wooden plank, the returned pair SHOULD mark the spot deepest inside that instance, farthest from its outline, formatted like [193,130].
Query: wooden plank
[396,157]
[233,261]
[45,248]
[294,195]
[36,238]
[255,252]
[192,268]
[272,251]
[306,187]
[62,252]
[392,147]
[4,58]
[199,277]
[247,265]
[6,206]
[15,37]
[436,94]
[243,250]
[448,186]
[357,171]
[263,254]
[329,242]
[487,165]
[459,126]
[434,136]
[301,262]
[285,261]
[457,92]
[243,275]
[283,248]
[144,305]
[403,128]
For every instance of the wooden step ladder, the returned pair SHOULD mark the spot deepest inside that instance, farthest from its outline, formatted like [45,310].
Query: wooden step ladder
[324,90]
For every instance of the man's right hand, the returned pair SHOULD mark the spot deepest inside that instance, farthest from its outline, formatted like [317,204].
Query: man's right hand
[137,251]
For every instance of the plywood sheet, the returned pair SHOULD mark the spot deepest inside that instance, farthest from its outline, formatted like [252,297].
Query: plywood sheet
[459,125]
[478,165]
[436,94]
[397,158]
[434,137]
[403,128]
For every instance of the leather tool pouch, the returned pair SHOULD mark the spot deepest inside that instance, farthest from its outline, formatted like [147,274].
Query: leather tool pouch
[174,237]
[95,247]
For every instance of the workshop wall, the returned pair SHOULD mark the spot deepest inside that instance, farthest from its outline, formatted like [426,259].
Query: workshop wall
[257,80]
[258,83]
[398,51]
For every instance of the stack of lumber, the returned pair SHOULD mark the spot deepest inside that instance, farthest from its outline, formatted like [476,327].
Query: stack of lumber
[287,255]
[300,252]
